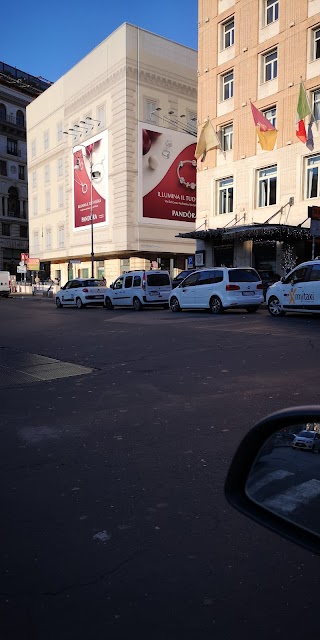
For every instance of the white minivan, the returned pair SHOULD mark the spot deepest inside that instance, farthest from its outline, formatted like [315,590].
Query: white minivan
[5,284]
[139,289]
[298,291]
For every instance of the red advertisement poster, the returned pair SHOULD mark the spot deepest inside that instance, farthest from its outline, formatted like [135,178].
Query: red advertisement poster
[90,181]
[168,174]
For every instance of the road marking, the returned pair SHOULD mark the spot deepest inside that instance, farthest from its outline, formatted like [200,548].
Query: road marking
[275,475]
[293,498]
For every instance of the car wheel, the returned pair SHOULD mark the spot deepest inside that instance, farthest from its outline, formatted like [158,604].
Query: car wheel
[252,309]
[274,307]
[79,303]
[174,304]
[108,304]
[58,303]
[137,304]
[215,305]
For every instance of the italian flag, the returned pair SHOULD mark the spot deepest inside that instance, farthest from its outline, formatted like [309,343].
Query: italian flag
[303,110]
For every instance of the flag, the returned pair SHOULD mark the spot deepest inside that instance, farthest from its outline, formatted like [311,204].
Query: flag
[208,139]
[303,110]
[310,141]
[266,132]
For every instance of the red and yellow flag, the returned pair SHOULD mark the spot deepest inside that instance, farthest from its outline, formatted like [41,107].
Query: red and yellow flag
[266,132]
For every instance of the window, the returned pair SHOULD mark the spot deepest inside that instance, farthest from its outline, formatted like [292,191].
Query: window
[150,110]
[158,280]
[61,236]
[60,167]
[59,132]
[3,112]
[267,186]
[210,277]
[313,164]
[225,204]
[46,140]
[137,281]
[21,172]
[36,242]
[191,121]
[20,118]
[270,65]
[34,180]
[243,275]
[47,173]
[61,196]
[271,8]
[118,283]
[315,273]
[227,86]
[190,281]
[101,116]
[128,282]
[48,201]
[5,229]
[12,147]
[227,137]
[13,202]
[3,168]
[33,148]
[35,206]
[299,275]
[228,34]
[23,232]
[48,238]
[316,43]
[271,115]
[316,104]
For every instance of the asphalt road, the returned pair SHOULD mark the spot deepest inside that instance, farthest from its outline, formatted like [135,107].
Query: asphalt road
[114,521]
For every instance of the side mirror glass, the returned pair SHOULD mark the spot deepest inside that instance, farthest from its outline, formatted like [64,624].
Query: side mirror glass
[274,477]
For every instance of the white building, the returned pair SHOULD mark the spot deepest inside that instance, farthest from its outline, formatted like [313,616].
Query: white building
[122,182]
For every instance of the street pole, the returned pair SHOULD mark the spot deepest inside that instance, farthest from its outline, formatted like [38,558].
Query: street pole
[91,217]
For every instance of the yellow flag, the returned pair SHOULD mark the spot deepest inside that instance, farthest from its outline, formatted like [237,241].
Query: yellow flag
[208,139]
[267,139]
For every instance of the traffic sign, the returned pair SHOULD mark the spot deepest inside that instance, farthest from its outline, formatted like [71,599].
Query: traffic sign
[22,269]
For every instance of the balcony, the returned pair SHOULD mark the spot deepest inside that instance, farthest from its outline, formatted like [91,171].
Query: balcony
[10,125]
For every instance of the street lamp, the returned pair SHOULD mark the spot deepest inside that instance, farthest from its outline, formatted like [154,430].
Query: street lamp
[93,175]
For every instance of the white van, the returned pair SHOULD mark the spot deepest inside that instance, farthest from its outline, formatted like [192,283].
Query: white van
[5,284]
[139,289]
[298,291]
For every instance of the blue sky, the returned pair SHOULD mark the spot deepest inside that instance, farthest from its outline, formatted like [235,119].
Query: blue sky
[47,39]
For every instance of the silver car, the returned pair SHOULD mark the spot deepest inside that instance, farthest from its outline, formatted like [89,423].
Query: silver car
[307,440]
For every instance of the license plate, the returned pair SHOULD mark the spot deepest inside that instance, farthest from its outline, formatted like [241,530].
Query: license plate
[155,293]
[248,293]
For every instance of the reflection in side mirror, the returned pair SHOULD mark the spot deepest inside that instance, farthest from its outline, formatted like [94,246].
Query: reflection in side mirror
[274,477]
[285,477]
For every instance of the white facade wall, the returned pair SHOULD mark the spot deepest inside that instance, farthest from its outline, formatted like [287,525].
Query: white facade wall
[113,85]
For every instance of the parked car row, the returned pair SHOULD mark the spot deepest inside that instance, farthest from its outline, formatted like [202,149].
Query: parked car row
[216,289]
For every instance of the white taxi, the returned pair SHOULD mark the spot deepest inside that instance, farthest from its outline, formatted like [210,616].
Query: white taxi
[298,291]
[80,293]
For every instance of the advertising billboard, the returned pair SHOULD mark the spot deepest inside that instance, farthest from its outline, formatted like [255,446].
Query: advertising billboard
[90,181]
[167,173]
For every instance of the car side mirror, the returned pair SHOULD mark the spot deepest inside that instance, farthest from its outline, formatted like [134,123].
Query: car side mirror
[111,285]
[274,477]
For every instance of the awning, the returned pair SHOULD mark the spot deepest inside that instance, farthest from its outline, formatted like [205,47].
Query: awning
[280,232]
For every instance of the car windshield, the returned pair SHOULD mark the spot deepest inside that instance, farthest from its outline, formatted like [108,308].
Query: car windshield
[182,275]
[306,434]
[243,275]
[158,279]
